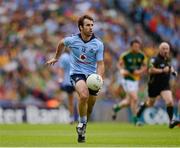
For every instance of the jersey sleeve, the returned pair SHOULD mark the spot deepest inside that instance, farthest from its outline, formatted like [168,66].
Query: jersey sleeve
[122,56]
[68,41]
[100,53]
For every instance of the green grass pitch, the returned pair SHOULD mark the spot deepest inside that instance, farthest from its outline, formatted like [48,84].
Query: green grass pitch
[98,135]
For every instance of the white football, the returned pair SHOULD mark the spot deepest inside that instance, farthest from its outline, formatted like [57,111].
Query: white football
[94,82]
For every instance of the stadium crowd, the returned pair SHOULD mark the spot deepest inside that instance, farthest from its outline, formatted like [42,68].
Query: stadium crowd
[30,31]
[159,17]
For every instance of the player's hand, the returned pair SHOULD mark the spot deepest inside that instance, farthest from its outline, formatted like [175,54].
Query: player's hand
[51,61]
[137,72]
[173,71]
[123,72]
[166,69]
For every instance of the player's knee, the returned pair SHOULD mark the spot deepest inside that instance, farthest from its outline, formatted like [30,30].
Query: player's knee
[133,96]
[150,103]
[134,99]
[84,96]
[170,102]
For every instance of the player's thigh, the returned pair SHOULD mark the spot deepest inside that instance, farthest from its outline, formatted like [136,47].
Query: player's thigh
[82,89]
[132,96]
[167,96]
[130,86]
[79,82]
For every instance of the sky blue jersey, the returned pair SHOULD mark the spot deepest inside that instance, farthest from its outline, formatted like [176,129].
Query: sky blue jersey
[64,63]
[84,55]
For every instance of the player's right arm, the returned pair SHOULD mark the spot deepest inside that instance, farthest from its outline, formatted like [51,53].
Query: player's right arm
[152,69]
[59,50]
[61,66]
[122,70]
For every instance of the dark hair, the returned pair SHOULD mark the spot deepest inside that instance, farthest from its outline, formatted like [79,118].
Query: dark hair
[136,40]
[82,18]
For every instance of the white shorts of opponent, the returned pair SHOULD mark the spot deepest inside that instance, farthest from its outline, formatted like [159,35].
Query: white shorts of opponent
[130,86]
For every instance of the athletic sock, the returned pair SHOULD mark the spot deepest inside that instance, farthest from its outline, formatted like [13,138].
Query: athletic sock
[135,119]
[116,108]
[170,112]
[83,119]
[141,109]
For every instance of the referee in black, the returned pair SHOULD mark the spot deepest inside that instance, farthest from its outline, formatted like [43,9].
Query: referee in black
[158,84]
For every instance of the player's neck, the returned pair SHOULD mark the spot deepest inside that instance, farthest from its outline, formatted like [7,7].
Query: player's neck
[85,37]
[134,51]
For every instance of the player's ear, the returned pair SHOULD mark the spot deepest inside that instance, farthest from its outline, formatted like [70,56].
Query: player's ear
[80,27]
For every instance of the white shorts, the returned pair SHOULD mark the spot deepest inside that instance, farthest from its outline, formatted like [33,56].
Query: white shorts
[130,86]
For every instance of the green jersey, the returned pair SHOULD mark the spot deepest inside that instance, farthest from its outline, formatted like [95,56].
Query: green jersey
[132,61]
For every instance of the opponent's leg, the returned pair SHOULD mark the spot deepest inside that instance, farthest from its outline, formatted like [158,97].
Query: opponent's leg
[144,105]
[167,96]
[117,107]
[133,104]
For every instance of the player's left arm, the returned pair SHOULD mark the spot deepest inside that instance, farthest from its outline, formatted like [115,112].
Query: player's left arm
[100,68]
[173,71]
[143,67]
[142,70]
[59,50]
[100,60]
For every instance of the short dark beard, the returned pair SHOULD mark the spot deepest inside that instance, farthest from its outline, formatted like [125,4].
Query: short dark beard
[165,56]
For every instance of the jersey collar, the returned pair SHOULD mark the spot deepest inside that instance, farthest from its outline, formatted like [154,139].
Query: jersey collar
[92,37]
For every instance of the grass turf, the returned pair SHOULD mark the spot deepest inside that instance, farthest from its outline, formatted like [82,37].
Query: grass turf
[98,135]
